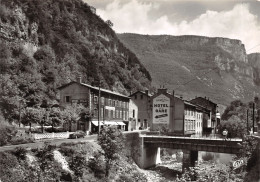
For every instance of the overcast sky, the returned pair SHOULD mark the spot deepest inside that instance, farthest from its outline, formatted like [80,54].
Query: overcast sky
[234,19]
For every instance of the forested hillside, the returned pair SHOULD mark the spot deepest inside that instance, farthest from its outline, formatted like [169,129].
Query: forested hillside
[44,44]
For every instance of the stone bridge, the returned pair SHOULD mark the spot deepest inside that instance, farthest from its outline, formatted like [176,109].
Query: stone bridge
[150,146]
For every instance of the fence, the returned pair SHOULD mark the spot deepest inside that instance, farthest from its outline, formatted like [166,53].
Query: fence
[39,136]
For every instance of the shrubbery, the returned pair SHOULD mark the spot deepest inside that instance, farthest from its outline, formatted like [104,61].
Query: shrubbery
[8,135]
[6,132]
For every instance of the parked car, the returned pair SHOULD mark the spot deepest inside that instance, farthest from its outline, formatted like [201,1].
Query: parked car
[78,134]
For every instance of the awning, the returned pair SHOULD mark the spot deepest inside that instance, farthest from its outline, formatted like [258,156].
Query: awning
[108,123]
[120,123]
[96,123]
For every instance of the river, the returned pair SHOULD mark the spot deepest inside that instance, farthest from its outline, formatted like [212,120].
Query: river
[216,157]
[171,165]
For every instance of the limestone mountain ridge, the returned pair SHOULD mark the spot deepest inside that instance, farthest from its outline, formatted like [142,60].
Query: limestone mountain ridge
[213,67]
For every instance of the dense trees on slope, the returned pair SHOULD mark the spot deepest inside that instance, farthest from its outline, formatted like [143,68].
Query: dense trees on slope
[44,44]
[234,117]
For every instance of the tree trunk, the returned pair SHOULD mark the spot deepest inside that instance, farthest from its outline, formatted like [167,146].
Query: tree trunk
[107,168]
[30,127]
[42,126]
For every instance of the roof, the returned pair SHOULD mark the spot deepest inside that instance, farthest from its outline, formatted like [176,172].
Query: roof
[188,103]
[142,92]
[202,98]
[94,88]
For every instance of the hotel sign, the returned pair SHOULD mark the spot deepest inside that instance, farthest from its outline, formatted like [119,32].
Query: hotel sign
[161,109]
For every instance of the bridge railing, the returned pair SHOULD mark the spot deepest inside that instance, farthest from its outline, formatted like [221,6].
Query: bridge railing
[203,137]
[197,138]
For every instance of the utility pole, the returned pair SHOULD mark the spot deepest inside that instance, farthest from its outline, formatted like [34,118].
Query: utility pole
[99,108]
[19,113]
[247,131]
[253,118]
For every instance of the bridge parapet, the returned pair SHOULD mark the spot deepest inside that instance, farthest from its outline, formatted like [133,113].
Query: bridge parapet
[196,144]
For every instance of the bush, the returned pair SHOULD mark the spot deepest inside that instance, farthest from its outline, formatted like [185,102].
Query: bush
[67,151]
[125,178]
[20,153]
[10,170]
[111,140]
[97,165]
[78,165]
[6,133]
[18,141]
[55,129]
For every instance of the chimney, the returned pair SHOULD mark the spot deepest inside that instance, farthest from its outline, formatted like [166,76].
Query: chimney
[162,90]
[146,92]
[173,92]
[79,79]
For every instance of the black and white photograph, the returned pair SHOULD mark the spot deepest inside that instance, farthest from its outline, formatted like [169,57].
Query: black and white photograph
[129,90]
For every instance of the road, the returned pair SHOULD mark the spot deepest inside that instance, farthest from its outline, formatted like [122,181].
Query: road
[40,143]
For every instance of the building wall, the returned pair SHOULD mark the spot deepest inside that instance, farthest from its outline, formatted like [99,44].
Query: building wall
[133,115]
[142,100]
[112,106]
[178,115]
[199,124]
[189,119]
[169,126]
[210,120]
[76,93]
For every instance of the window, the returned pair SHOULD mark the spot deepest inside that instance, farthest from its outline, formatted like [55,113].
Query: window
[95,99]
[135,96]
[120,114]
[114,102]
[67,98]
[95,112]
[111,114]
[102,100]
[133,113]
[114,114]
[102,113]
[139,120]
[142,96]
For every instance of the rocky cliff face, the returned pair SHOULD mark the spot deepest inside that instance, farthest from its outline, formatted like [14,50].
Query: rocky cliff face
[218,68]
[254,62]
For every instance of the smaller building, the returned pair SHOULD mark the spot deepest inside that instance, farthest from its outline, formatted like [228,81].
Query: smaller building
[143,102]
[189,118]
[209,118]
[133,116]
